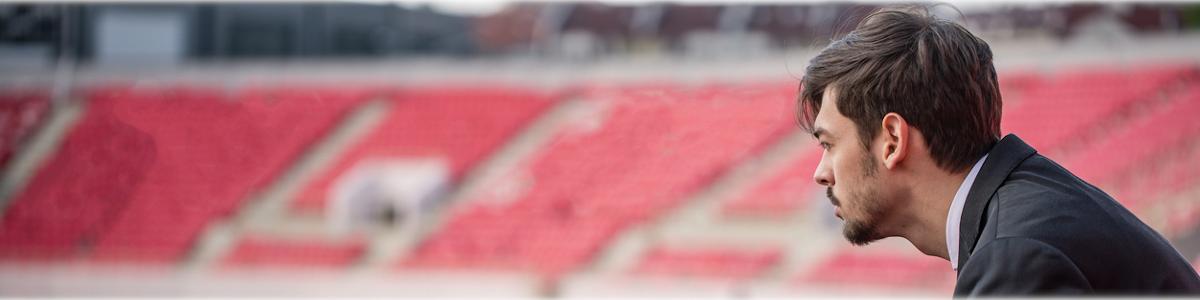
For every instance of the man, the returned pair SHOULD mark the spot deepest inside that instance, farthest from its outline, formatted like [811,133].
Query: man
[907,108]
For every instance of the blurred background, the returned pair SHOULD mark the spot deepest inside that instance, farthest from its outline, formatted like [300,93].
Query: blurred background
[516,149]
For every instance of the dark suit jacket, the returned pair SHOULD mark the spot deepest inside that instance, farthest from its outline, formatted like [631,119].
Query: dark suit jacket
[1031,227]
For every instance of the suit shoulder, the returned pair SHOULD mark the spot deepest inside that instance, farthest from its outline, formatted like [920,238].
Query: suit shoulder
[1039,194]
[1039,174]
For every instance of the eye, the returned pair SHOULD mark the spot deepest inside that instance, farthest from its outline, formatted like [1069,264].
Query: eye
[825,145]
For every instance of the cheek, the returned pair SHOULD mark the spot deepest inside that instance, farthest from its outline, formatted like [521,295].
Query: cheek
[850,182]
[845,170]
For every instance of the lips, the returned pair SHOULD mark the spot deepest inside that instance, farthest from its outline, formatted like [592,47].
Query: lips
[837,205]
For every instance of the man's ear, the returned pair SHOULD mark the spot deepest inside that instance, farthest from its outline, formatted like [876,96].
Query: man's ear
[895,140]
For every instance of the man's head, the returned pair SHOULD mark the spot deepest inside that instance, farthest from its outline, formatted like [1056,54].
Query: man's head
[904,95]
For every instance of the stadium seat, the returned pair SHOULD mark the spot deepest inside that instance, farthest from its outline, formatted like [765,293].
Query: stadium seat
[263,251]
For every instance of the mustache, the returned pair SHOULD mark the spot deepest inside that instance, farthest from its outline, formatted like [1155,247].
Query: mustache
[832,199]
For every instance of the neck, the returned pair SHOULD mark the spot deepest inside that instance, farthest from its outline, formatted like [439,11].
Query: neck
[930,205]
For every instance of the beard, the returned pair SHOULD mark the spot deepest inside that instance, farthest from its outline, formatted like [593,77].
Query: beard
[863,231]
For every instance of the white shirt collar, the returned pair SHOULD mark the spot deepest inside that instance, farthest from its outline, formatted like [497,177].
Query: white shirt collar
[955,214]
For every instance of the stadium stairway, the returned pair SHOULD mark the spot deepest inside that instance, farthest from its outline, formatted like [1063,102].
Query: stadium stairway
[39,145]
[21,113]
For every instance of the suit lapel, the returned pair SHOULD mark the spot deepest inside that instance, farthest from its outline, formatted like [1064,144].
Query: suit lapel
[1002,159]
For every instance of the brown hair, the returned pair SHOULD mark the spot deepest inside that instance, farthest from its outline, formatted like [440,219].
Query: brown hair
[931,71]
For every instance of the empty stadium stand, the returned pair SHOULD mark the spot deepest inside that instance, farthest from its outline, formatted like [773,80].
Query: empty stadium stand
[164,163]
[656,145]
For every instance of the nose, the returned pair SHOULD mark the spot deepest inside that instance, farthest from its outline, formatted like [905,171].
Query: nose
[823,175]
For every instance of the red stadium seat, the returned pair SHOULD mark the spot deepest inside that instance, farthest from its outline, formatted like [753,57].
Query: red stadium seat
[265,251]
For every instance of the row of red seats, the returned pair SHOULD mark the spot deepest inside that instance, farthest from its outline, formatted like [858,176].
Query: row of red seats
[889,270]
[721,263]
[275,252]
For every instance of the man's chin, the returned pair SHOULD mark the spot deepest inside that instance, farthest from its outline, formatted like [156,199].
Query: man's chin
[859,234]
